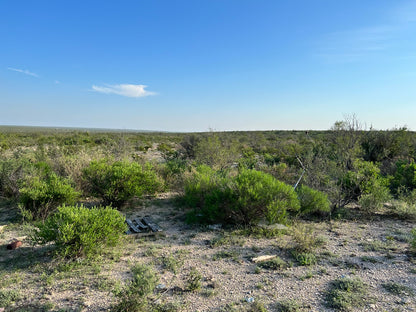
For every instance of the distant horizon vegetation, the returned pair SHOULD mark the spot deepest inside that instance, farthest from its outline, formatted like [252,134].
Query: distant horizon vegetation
[23,128]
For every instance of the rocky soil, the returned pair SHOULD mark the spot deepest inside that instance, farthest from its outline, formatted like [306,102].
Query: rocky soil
[374,250]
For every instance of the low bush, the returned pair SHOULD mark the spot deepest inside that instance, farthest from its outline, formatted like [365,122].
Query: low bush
[312,201]
[365,185]
[78,231]
[245,198]
[43,191]
[398,289]
[193,282]
[413,241]
[305,258]
[305,240]
[404,177]
[273,264]
[12,172]
[347,293]
[117,182]
[134,297]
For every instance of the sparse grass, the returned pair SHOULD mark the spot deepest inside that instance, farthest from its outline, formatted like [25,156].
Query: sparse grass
[347,293]
[305,258]
[273,264]
[133,298]
[289,306]
[172,263]
[370,259]
[256,306]
[193,281]
[262,232]
[378,245]
[305,239]
[8,296]
[153,251]
[226,239]
[308,275]
[398,289]
[404,210]
[225,254]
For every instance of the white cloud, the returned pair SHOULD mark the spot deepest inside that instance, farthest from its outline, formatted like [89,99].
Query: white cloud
[129,90]
[23,71]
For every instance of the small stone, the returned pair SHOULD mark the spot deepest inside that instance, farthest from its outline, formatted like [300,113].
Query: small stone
[14,245]
[215,227]
[161,287]
[250,299]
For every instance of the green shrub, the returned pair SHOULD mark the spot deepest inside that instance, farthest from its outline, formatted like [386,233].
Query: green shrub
[43,191]
[346,293]
[243,199]
[117,182]
[366,185]
[312,201]
[78,231]
[258,194]
[305,258]
[208,192]
[290,305]
[273,264]
[375,199]
[404,177]
[8,296]
[398,289]
[193,281]
[211,151]
[12,172]
[413,241]
[134,297]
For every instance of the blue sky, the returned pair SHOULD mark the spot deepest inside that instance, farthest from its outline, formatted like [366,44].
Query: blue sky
[195,65]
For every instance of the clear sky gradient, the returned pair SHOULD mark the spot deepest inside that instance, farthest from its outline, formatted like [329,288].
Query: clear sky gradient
[194,65]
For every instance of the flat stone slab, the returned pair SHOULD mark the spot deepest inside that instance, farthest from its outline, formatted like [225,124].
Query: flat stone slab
[263,258]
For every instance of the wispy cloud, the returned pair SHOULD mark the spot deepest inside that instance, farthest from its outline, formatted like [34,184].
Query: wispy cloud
[129,90]
[360,44]
[23,71]
[354,45]
[406,13]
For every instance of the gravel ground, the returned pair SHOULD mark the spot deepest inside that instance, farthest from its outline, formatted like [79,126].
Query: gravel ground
[375,251]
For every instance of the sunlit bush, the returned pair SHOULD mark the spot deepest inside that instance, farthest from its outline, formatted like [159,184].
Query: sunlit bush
[78,231]
[117,182]
[243,199]
[43,190]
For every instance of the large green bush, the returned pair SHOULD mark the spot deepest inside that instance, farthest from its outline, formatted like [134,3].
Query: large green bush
[78,231]
[312,201]
[43,190]
[242,199]
[365,185]
[117,182]
[404,178]
[208,192]
[258,194]
[11,173]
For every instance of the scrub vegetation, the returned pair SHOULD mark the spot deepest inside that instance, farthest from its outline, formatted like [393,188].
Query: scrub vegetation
[66,194]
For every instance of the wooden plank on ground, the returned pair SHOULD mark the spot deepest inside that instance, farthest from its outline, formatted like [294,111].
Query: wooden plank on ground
[153,226]
[132,226]
[140,225]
